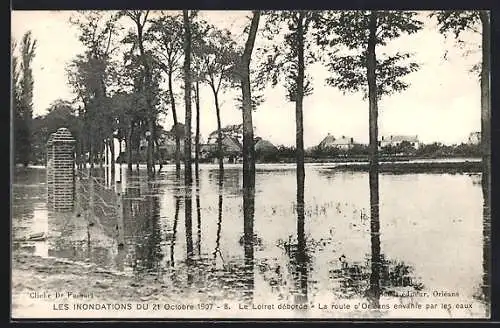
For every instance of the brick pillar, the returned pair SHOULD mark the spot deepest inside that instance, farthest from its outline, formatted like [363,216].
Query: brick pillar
[61,171]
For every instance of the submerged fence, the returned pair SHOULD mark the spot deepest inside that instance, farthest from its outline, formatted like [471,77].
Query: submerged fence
[100,205]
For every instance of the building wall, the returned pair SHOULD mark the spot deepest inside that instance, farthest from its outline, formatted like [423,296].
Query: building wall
[475,138]
[384,143]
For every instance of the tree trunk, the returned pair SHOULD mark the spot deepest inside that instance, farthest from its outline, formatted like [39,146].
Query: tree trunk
[485,100]
[220,153]
[151,115]
[248,151]
[174,115]
[120,150]
[188,178]
[106,151]
[112,154]
[373,175]
[129,146]
[486,151]
[299,125]
[197,136]
[158,155]
[138,156]
[91,155]
[150,155]
[100,154]
[248,137]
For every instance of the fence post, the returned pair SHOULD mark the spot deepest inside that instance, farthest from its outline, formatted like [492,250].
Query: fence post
[61,170]
[91,210]
[120,225]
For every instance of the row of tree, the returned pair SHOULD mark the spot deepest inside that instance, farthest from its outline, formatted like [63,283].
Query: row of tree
[118,77]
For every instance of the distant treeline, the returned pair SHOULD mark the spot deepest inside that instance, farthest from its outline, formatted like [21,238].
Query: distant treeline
[361,152]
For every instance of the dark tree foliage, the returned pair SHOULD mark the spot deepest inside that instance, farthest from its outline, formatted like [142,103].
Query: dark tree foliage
[22,85]
[280,60]
[344,36]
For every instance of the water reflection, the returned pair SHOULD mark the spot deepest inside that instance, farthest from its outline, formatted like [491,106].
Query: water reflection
[374,290]
[198,211]
[188,217]
[173,236]
[486,281]
[148,253]
[249,236]
[356,278]
[218,258]
[337,254]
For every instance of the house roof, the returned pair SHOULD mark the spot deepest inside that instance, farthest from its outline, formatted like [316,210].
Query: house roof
[227,129]
[264,145]
[329,139]
[343,141]
[232,143]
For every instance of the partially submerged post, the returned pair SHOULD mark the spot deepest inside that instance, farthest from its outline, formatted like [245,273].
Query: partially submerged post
[61,170]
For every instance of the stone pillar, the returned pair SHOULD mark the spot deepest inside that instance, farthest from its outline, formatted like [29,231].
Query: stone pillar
[61,171]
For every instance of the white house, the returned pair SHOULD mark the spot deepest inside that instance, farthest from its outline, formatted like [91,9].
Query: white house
[396,140]
[341,143]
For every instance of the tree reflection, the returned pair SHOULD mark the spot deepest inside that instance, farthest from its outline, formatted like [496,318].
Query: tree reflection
[219,216]
[377,275]
[142,223]
[374,289]
[148,249]
[356,279]
[248,236]
[174,230]
[188,220]
[198,210]
[301,255]
[486,285]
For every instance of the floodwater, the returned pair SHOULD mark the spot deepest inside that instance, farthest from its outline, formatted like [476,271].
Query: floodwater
[431,235]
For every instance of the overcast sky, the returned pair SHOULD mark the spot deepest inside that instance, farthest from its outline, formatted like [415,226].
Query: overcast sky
[442,103]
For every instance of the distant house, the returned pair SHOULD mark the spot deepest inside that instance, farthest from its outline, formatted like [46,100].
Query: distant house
[396,140]
[331,142]
[167,142]
[474,138]
[265,150]
[231,148]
